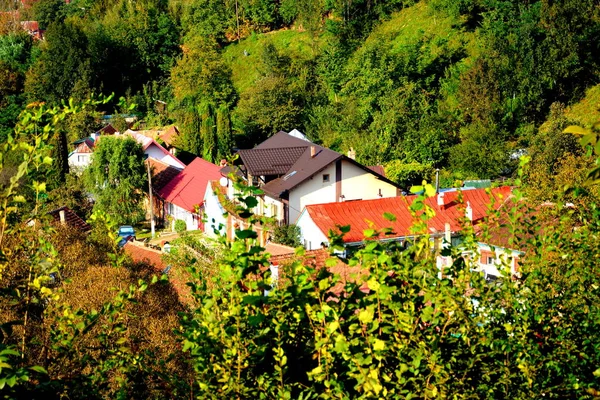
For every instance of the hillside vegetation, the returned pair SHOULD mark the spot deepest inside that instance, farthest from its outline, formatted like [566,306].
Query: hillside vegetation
[460,86]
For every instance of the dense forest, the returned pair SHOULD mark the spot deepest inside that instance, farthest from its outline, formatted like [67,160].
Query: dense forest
[479,89]
[465,86]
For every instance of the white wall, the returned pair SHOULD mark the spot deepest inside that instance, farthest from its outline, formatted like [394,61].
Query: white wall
[177,212]
[313,191]
[79,161]
[358,184]
[269,206]
[214,211]
[310,234]
[156,153]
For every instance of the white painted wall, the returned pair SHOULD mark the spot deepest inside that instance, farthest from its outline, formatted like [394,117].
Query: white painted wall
[358,184]
[156,153]
[79,161]
[191,220]
[214,214]
[272,208]
[504,259]
[313,191]
[310,234]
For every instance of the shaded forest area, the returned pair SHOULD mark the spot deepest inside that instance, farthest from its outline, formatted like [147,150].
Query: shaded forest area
[464,86]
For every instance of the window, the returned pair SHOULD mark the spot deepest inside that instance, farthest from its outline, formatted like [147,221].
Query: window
[490,260]
[325,178]
[81,159]
[274,211]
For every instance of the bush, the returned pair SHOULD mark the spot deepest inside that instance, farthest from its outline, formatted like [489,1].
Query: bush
[180,226]
[288,235]
[407,175]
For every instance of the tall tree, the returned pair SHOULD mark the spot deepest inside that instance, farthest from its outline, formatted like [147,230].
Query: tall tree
[117,178]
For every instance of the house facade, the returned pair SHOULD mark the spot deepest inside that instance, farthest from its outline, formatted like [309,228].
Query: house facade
[183,197]
[452,210]
[81,156]
[294,173]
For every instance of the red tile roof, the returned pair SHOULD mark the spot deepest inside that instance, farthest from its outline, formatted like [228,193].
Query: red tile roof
[276,249]
[368,214]
[187,189]
[317,259]
[162,173]
[71,219]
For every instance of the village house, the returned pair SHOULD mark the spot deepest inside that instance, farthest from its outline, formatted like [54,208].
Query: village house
[81,156]
[183,197]
[451,210]
[294,172]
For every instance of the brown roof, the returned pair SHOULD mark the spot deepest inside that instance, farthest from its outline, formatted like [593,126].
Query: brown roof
[108,130]
[270,161]
[276,249]
[85,146]
[71,219]
[270,156]
[169,135]
[378,169]
[317,259]
[162,173]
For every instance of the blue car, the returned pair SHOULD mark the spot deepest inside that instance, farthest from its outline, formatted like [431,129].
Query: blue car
[127,233]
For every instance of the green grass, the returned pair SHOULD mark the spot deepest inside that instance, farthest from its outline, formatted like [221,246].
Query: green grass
[417,23]
[587,111]
[247,69]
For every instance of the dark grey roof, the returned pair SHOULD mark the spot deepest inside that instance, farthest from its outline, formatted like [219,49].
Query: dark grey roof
[290,157]
[270,161]
[304,168]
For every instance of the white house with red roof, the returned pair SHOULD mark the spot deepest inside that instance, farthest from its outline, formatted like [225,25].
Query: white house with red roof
[81,156]
[154,150]
[184,195]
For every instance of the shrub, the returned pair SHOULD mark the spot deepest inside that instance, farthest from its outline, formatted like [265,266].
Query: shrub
[288,235]
[180,226]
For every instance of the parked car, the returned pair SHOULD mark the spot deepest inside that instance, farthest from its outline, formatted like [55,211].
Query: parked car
[127,232]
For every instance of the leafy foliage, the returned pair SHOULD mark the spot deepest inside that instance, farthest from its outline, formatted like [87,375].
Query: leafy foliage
[288,235]
[117,178]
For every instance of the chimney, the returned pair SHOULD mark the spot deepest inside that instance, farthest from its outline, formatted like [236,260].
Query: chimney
[223,163]
[63,220]
[469,211]
[313,151]
[437,180]
[94,136]
[352,153]
[447,233]
[440,200]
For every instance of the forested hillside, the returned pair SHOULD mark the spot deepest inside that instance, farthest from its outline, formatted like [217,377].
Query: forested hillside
[462,86]
[479,89]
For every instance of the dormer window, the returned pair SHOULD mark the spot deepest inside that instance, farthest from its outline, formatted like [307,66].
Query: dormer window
[325,178]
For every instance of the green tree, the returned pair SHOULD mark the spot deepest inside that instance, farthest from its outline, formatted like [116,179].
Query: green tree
[202,89]
[117,179]
[63,69]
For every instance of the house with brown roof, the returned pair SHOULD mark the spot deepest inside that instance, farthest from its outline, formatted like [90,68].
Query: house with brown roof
[293,172]
[81,156]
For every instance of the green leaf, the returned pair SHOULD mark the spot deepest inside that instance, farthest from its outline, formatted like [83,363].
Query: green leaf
[366,316]
[246,234]
[389,216]
[39,369]
[576,130]
[379,345]
[250,201]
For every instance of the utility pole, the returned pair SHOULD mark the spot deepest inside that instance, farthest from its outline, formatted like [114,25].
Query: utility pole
[151,203]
